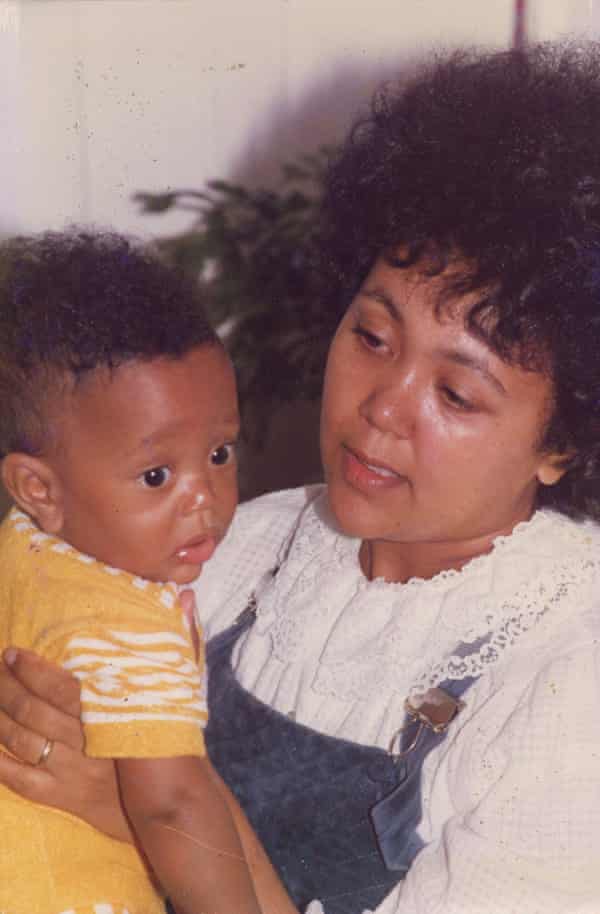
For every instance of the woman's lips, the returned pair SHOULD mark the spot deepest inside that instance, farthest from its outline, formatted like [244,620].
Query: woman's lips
[368,476]
[198,551]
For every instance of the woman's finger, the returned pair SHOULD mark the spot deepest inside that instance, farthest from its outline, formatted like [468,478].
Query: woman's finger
[187,600]
[25,744]
[70,781]
[26,721]
[27,780]
[46,680]
[49,782]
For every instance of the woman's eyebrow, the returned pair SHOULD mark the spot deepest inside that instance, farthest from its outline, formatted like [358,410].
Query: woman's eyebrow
[453,355]
[384,299]
[470,361]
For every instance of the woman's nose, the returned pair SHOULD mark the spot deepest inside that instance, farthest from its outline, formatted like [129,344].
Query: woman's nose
[390,406]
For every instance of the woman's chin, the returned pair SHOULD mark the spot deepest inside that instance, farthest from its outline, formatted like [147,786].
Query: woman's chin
[352,516]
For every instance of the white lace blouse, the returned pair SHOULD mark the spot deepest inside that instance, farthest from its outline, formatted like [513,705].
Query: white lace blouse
[512,797]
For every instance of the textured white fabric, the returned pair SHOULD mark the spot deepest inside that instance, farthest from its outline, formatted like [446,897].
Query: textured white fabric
[512,798]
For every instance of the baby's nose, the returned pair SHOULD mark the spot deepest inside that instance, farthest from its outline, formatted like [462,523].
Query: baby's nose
[199,496]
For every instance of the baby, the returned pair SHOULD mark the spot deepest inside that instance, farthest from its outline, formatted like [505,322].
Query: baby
[118,423]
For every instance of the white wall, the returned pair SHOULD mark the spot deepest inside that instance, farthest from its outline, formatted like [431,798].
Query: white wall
[100,98]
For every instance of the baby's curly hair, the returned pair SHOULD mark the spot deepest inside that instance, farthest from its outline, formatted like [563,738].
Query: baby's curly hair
[492,160]
[71,302]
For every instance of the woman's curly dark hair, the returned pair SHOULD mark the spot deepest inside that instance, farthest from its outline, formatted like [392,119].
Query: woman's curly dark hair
[494,160]
[73,301]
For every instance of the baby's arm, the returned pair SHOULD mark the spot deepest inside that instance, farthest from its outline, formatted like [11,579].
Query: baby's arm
[38,700]
[179,814]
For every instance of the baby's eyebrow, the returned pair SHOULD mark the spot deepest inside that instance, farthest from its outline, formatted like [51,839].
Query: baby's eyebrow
[155,437]
[230,427]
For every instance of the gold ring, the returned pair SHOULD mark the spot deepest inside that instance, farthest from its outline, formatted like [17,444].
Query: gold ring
[45,753]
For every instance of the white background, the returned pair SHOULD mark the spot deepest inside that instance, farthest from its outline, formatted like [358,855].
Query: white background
[100,98]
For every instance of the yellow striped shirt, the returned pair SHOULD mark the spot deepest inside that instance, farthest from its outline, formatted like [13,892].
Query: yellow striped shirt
[143,695]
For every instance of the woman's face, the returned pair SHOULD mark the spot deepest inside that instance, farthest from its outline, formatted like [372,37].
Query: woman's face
[427,436]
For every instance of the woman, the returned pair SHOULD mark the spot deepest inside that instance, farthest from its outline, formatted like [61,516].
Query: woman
[454,548]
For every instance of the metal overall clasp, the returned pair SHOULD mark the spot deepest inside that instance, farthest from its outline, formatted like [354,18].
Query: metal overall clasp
[434,709]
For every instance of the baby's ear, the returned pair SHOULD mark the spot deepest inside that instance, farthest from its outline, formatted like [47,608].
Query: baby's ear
[36,489]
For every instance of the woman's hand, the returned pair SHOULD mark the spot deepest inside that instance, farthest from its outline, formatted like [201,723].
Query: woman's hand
[40,702]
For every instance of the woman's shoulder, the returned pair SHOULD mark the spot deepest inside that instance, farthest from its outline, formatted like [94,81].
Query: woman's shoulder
[264,525]
[549,629]
[254,545]
[568,554]
[543,561]
[282,507]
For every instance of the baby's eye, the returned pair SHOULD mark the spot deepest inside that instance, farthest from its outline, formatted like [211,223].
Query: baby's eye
[222,454]
[156,477]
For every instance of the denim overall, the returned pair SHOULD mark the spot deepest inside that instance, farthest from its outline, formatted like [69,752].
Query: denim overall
[337,819]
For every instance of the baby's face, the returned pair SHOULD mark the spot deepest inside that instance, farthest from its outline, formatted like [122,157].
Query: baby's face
[147,463]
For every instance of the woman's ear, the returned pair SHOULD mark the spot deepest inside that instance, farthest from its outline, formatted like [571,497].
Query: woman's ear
[36,488]
[552,468]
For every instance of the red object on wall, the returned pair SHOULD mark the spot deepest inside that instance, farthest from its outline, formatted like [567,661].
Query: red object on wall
[520,25]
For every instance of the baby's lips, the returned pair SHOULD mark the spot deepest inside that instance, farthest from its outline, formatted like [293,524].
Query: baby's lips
[196,553]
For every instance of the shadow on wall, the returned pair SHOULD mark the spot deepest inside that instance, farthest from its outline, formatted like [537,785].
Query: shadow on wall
[321,116]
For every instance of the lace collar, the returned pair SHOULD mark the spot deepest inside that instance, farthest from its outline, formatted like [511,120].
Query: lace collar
[321,607]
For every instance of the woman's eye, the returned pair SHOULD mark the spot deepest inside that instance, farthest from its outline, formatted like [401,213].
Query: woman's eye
[455,400]
[370,340]
[222,454]
[156,477]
